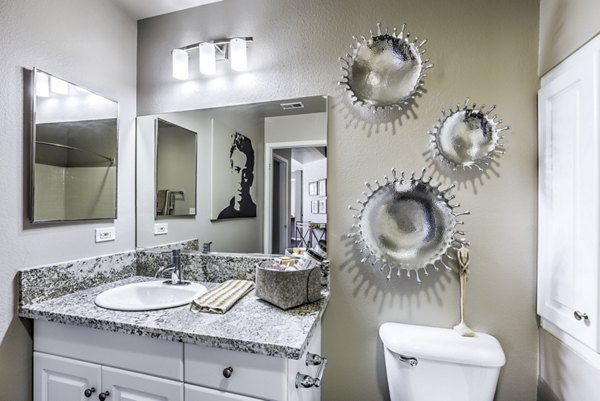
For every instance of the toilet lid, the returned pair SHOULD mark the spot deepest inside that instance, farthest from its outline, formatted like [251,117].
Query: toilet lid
[442,345]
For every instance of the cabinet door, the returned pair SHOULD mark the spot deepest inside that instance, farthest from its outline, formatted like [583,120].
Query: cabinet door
[197,393]
[62,379]
[568,260]
[123,385]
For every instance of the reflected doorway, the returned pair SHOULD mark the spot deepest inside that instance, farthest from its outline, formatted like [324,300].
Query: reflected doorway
[298,197]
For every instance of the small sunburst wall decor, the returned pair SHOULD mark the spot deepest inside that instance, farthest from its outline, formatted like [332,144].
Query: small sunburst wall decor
[467,137]
[407,223]
[385,71]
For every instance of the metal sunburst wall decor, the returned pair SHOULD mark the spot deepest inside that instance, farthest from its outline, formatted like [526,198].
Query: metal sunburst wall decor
[407,223]
[467,137]
[385,71]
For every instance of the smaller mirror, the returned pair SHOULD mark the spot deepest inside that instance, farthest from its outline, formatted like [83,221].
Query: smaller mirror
[74,152]
[175,170]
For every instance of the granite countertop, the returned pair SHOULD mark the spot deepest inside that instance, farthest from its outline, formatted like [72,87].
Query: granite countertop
[252,325]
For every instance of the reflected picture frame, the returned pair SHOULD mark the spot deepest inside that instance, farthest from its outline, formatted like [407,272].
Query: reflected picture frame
[314,207]
[313,188]
[322,187]
[323,206]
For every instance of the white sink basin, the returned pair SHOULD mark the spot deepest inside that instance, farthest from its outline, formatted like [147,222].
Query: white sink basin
[149,295]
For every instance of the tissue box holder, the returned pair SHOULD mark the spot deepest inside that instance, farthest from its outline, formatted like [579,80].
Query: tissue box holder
[288,289]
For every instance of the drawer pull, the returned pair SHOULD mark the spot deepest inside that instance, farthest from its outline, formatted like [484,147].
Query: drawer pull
[103,396]
[307,381]
[227,372]
[89,391]
[580,315]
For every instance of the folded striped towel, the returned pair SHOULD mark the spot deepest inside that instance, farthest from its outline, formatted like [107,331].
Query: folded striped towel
[220,299]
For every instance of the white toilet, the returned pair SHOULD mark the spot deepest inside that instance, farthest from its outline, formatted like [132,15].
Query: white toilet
[430,364]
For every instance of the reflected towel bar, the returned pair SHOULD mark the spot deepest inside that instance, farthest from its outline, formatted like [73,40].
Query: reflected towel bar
[58,145]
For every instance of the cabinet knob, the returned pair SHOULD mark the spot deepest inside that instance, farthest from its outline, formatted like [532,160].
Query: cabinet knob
[227,372]
[89,391]
[580,315]
[102,396]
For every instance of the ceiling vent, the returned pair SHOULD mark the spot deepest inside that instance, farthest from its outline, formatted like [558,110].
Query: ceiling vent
[292,106]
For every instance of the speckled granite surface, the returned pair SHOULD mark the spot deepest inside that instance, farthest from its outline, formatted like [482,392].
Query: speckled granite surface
[252,325]
[50,281]
[213,267]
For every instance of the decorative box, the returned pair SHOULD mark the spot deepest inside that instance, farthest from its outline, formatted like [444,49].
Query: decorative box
[288,289]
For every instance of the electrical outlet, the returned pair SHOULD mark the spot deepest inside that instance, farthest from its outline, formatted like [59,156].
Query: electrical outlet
[161,228]
[105,234]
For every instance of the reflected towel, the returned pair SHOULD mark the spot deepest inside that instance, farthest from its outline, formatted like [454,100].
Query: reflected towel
[162,202]
[222,298]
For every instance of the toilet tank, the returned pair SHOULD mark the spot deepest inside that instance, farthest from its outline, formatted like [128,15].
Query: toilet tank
[430,363]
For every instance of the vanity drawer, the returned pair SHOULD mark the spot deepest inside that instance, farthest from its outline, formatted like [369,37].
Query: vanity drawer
[197,393]
[253,375]
[125,351]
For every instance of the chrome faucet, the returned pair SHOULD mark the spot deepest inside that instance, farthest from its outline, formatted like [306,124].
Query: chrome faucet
[174,268]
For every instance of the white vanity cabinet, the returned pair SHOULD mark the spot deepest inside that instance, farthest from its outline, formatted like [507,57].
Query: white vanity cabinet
[569,201]
[73,363]
[63,379]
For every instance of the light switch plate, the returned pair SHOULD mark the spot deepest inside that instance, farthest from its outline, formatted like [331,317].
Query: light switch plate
[161,228]
[105,234]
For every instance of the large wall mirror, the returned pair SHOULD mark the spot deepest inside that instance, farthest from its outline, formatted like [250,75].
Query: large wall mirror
[74,152]
[261,177]
[175,161]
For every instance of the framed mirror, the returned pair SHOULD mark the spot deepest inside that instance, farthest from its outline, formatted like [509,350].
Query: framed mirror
[74,146]
[175,161]
[254,166]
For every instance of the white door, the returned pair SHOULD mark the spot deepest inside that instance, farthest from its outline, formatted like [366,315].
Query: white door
[568,198]
[63,379]
[197,393]
[123,385]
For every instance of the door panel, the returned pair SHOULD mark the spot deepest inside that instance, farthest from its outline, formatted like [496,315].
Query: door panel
[62,379]
[129,386]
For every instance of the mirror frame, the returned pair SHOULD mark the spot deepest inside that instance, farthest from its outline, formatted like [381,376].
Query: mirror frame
[156,217]
[32,152]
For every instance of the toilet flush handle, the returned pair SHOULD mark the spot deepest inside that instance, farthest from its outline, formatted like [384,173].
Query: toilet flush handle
[407,359]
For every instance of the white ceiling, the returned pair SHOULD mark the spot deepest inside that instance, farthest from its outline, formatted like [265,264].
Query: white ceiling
[140,9]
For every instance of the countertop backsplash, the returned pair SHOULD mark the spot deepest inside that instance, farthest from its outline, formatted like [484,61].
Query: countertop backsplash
[44,282]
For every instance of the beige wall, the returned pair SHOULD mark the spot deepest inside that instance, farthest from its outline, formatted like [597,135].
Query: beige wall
[565,25]
[485,49]
[566,374]
[91,43]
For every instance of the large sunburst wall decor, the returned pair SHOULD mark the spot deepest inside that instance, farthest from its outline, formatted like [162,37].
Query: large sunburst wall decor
[385,71]
[407,223]
[467,137]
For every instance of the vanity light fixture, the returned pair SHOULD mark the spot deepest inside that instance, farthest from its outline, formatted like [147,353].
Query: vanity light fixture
[180,64]
[208,58]
[237,53]
[234,49]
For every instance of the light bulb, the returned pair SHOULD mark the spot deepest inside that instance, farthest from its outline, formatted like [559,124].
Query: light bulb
[180,64]
[238,54]
[208,62]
